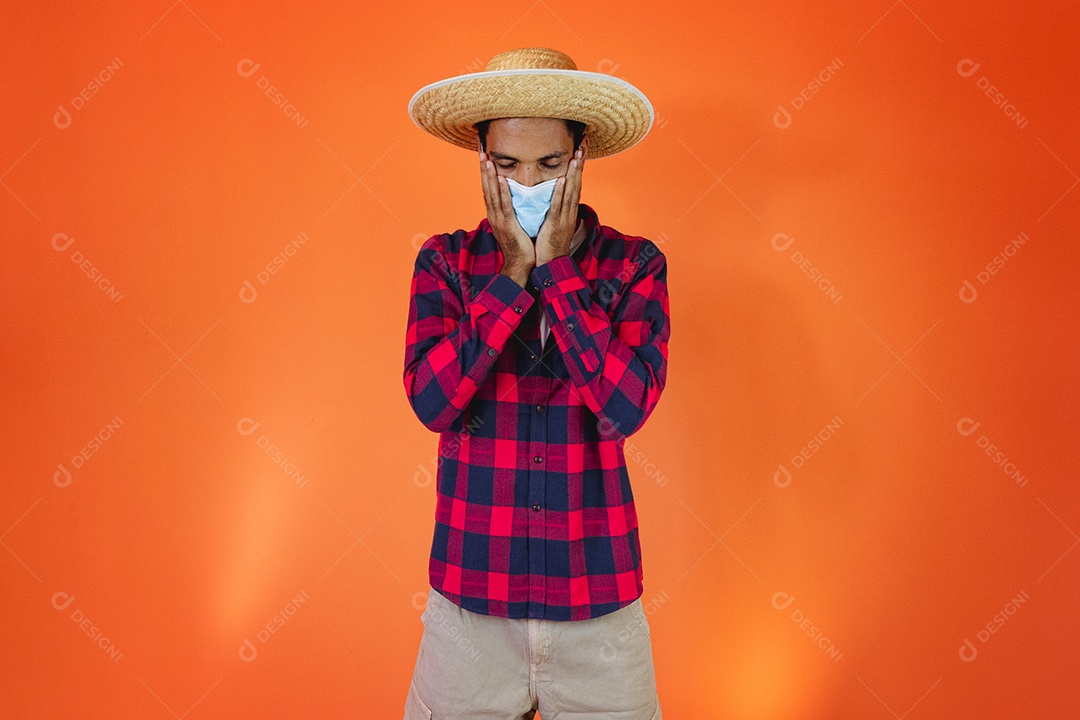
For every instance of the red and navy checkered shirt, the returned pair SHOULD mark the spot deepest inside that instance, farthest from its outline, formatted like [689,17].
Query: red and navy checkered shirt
[534,514]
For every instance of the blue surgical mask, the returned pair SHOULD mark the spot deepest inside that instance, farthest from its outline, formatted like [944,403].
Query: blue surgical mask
[531,203]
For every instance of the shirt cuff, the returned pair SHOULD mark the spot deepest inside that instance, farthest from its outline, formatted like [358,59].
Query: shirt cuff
[558,276]
[564,294]
[505,299]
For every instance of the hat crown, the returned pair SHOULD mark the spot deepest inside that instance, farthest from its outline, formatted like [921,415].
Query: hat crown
[534,82]
[535,57]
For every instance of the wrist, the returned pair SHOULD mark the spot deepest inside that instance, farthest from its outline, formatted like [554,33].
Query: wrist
[519,273]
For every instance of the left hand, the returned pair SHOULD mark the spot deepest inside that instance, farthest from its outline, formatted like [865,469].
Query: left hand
[562,217]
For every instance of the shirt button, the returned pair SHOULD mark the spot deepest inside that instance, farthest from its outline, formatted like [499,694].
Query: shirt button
[517,309]
[532,357]
[569,326]
[491,351]
[536,507]
[547,281]
[539,408]
[538,459]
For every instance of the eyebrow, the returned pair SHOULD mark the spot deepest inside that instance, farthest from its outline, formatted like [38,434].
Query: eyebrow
[549,156]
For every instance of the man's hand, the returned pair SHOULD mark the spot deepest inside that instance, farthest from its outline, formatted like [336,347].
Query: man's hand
[519,254]
[562,217]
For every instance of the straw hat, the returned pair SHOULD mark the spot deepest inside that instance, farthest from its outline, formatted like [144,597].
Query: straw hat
[535,82]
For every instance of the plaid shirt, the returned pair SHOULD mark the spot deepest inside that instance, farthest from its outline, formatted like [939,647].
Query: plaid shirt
[534,514]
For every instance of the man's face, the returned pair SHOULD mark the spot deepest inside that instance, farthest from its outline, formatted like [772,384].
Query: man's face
[530,150]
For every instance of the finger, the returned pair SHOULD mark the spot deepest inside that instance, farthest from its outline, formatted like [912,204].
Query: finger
[506,203]
[485,184]
[491,178]
[495,183]
[560,200]
[573,190]
[497,208]
[556,208]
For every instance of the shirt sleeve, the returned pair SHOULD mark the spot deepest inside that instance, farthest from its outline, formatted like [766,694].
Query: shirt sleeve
[451,346]
[617,363]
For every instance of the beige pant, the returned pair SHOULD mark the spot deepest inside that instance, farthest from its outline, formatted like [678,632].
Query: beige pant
[483,667]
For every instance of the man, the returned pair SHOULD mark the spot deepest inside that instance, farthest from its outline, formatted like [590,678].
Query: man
[536,344]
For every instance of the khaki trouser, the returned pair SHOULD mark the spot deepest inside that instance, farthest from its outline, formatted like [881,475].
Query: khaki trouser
[482,667]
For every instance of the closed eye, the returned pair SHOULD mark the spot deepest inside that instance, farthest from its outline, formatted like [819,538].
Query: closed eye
[510,166]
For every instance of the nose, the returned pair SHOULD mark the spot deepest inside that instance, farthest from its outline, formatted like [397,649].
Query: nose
[529,177]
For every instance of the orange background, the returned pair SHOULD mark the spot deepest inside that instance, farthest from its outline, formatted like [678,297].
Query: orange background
[181,535]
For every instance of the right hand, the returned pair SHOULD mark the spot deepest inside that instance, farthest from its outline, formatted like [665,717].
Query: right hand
[519,253]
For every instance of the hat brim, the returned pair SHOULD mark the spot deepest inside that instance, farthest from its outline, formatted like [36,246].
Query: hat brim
[616,114]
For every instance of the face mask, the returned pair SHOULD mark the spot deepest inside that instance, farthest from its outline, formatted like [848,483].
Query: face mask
[531,203]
